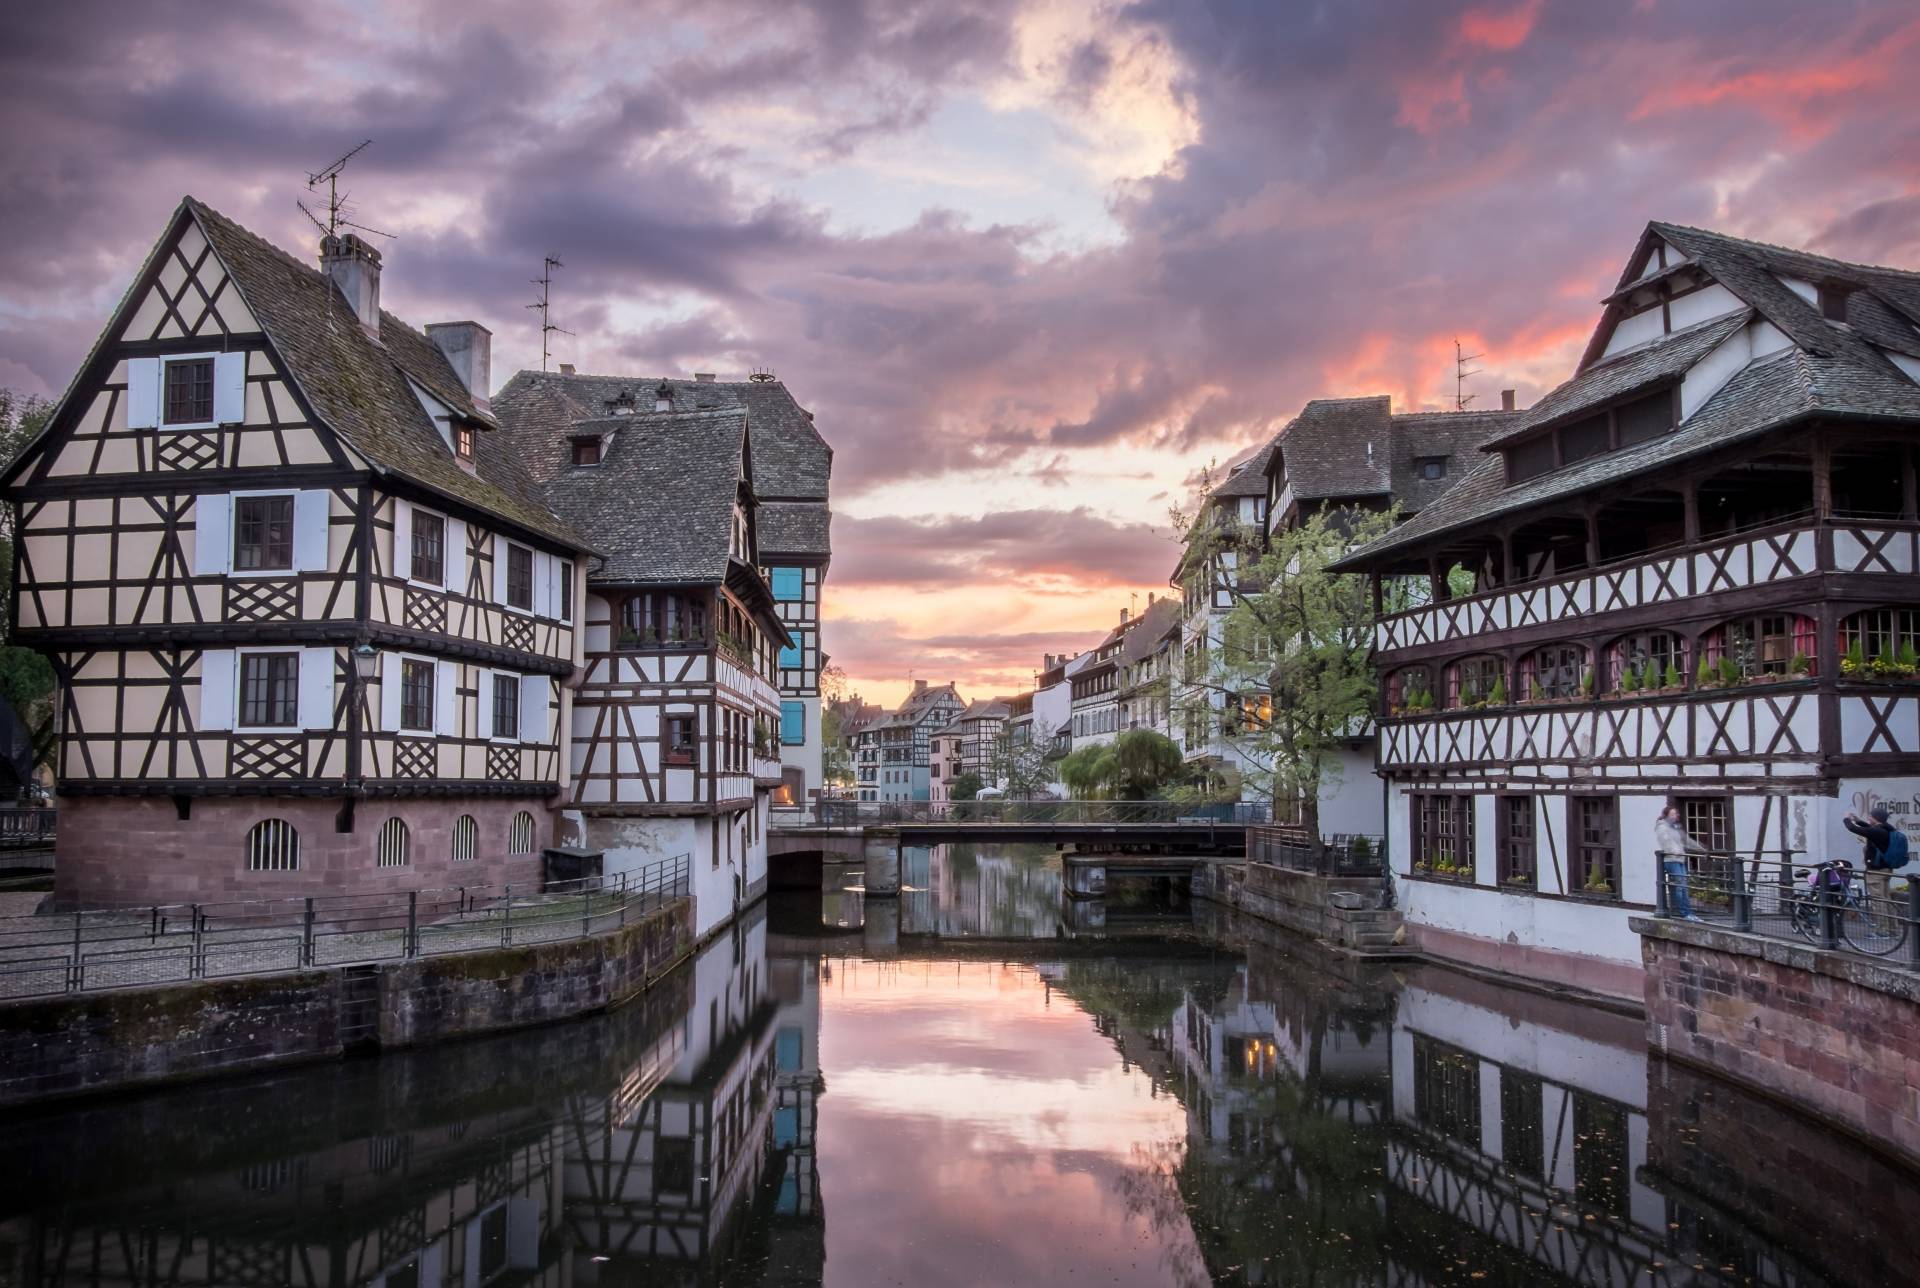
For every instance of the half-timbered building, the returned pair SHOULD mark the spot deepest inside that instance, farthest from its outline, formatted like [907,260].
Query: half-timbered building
[1095,689]
[675,721]
[1695,570]
[310,617]
[792,469]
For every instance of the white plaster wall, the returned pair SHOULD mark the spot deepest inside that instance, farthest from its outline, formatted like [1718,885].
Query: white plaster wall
[1638,329]
[1910,366]
[1705,378]
[1805,290]
[1615,1072]
[1697,306]
[1352,799]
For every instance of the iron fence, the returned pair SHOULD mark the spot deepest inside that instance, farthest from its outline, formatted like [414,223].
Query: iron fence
[113,947]
[1092,813]
[1873,914]
[1344,854]
[25,827]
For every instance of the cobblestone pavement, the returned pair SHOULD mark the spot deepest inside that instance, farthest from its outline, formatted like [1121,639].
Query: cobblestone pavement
[118,950]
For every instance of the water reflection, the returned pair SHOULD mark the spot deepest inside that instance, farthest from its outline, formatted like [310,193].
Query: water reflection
[1221,1105]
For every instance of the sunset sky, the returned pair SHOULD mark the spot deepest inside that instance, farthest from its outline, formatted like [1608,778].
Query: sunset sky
[1032,264]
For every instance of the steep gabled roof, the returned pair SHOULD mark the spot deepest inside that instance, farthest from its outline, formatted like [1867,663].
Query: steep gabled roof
[358,385]
[1338,447]
[1161,620]
[1248,478]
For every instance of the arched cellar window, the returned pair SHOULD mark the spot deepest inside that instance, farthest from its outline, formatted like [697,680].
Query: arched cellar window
[1475,681]
[273,846]
[1646,661]
[1765,645]
[520,835]
[392,852]
[1553,671]
[1410,689]
[466,839]
[1880,641]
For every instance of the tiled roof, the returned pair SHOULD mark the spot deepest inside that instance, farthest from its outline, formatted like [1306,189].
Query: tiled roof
[660,502]
[1325,449]
[792,527]
[1161,619]
[358,385]
[1457,436]
[1249,478]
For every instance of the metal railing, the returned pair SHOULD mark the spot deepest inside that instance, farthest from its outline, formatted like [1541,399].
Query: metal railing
[1874,914]
[24,827]
[1343,854]
[1074,812]
[116,947]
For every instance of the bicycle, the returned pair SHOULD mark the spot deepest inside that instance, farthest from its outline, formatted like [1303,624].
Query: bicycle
[1868,925]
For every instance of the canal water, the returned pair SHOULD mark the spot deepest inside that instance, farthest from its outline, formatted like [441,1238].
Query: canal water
[973,1085]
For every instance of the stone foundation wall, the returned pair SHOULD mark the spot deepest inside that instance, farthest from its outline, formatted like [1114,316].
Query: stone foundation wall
[1302,902]
[137,849]
[1830,1033]
[69,1045]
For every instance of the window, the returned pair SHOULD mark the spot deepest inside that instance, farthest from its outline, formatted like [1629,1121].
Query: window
[429,548]
[463,442]
[1583,438]
[793,723]
[662,619]
[1596,834]
[188,392]
[1645,661]
[506,706]
[1644,419]
[1430,467]
[519,577]
[466,839]
[788,584]
[1517,856]
[493,1243]
[1410,689]
[790,655]
[1833,302]
[416,695]
[1443,834]
[1770,644]
[273,846]
[520,834]
[681,731]
[566,590]
[1474,681]
[1708,820]
[1555,671]
[270,690]
[1530,459]
[391,851]
[262,533]
[673,1165]
[1446,1090]
[586,450]
[1522,1124]
[1889,636]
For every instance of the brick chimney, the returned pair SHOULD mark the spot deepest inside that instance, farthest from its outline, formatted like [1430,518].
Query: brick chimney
[1506,400]
[919,686]
[469,350]
[354,267]
[703,377]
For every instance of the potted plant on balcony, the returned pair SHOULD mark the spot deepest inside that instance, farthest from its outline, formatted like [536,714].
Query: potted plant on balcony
[1497,695]
[1672,680]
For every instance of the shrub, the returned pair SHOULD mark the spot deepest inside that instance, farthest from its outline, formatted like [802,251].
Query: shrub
[1703,676]
[1673,675]
[1729,671]
[1498,694]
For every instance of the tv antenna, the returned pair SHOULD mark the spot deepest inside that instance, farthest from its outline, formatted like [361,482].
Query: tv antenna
[547,325]
[1460,373]
[337,205]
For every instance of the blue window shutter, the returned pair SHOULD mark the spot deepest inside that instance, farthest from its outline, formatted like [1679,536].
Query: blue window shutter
[787,583]
[790,655]
[793,723]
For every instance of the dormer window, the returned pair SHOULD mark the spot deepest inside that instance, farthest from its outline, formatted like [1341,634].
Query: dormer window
[1833,302]
[663,397]
[621,405]
[1430,467]
[586,449]
[1610,429]
[463,442]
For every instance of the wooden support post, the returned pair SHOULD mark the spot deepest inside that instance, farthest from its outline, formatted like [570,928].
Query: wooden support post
[1690,512]
[1593,537]
[1507,575]
[1909,487]
[1822,479]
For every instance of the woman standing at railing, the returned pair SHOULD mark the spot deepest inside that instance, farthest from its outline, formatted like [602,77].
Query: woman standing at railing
[1672,844]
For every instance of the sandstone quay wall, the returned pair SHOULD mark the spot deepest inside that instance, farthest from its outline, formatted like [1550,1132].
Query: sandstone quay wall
[1833,1034]
[89,1042]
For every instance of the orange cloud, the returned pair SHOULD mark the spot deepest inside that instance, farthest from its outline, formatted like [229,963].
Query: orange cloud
[1504,30]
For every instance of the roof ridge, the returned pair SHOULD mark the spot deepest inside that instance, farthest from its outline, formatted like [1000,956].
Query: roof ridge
[1789,250]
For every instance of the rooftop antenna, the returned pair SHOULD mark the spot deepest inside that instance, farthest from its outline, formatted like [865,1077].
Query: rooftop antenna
[338,206]
[761,375]
[1460,373]
[547,325]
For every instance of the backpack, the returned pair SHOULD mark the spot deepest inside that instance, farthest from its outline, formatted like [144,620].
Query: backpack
[1895,855]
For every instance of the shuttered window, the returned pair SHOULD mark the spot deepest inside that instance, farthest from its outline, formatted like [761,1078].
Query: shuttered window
[393,848]
[506,706]
[270,689]
[273,846]
[416,695]
[263,533]
[519,577]
[429,548]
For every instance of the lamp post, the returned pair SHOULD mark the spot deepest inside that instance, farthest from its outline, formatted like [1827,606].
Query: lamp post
[366,664]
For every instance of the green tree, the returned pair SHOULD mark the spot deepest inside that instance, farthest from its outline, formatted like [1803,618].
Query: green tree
[1023,769]
[1090,773]
[26,678]
[1146,763]
[1299,685]
[966,787]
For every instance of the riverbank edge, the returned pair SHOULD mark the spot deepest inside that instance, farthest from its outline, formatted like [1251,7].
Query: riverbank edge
[73,1046]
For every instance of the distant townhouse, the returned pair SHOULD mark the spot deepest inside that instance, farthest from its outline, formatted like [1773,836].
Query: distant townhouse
[971,744]
[1694,576]
[310,614]
[1146,665]
[1095,689]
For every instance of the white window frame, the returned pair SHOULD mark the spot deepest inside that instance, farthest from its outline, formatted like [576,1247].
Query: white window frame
[240,655]
[233,533]
[447,528]
[519,697]
[160,421]
[400,728]
[503,545]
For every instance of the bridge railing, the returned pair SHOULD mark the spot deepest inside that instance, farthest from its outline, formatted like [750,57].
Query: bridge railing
[1089,813]
[1344,854]
[26,827]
